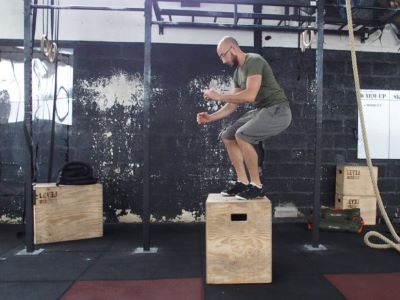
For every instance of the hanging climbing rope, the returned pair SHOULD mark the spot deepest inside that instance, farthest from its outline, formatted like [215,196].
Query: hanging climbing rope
[386,242]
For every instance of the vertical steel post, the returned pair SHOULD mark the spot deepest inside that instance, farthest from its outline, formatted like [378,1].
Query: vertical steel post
[257,8]
[28,52]
[146,125]
[318,135]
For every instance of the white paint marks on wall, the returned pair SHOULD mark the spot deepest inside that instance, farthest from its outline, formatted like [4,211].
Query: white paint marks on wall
[121,88]
[187,217]
[107,134]
[126,216]
[221,83]
[7,220]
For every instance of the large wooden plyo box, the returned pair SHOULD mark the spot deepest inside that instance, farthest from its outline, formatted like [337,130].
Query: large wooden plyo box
[355,180]
[67,212]
[366,204]
[238,240]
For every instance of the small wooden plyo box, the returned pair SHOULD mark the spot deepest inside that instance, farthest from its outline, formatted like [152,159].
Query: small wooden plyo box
[366,204]
[238,240]
[354,180]
[67,212]
[354,189]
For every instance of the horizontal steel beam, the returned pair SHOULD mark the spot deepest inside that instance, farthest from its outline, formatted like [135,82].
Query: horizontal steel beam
[218,14]
[249,27]
[297,3]
[233,26]
[364,7]
[339,21]
[77,7]
[391,16]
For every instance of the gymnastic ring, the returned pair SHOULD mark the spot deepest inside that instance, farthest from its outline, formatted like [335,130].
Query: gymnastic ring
[44,44]
[307,34]
[52,52]
[304,35]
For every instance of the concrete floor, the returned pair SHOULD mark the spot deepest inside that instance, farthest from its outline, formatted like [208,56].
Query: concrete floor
[297,273]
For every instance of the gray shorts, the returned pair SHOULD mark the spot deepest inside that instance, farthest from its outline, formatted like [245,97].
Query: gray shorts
[259,124]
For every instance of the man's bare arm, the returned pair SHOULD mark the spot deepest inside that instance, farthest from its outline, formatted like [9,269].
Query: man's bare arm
[248,95]
[224,111]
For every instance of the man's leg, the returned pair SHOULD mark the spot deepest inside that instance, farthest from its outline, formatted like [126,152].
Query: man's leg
[265,123]
[236,157]
[235,154]
[251,159]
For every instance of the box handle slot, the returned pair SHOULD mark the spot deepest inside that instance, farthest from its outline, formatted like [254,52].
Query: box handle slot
[238,217]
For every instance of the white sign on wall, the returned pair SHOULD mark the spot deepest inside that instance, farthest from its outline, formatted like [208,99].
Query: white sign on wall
[382,124]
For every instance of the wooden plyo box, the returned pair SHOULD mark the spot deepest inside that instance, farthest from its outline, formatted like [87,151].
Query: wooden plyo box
[238,240]
[354,180]
[67,212]
[366,204]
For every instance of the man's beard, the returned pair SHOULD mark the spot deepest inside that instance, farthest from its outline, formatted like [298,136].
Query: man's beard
[235,61]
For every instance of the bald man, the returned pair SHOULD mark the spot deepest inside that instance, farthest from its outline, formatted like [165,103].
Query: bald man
[254,83]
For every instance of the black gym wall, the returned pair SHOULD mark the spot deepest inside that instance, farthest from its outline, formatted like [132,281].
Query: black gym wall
[187,160]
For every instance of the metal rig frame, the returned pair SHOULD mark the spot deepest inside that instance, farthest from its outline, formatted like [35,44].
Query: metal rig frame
[297,16]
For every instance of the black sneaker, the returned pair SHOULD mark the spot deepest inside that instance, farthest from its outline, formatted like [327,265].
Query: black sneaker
[252,192]
[234,189]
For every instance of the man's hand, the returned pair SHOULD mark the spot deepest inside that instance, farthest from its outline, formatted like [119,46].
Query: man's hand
[203,118]
[211,95]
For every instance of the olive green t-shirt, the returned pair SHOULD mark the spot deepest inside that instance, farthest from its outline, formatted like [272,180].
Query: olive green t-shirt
[270,92]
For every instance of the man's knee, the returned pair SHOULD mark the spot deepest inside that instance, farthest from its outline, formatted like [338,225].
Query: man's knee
[223,135]
[228,142]
[241,137]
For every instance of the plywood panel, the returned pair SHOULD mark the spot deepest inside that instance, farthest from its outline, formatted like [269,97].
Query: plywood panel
[366,204]
[238,240]
[67,212]
[353,180]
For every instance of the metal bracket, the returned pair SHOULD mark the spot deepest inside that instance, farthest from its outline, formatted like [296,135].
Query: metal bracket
[140,250]
[311,248]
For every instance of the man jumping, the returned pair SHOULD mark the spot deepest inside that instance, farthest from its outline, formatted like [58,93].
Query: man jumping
[254,83]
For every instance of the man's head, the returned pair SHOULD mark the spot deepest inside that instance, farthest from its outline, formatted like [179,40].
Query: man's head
[228,51]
